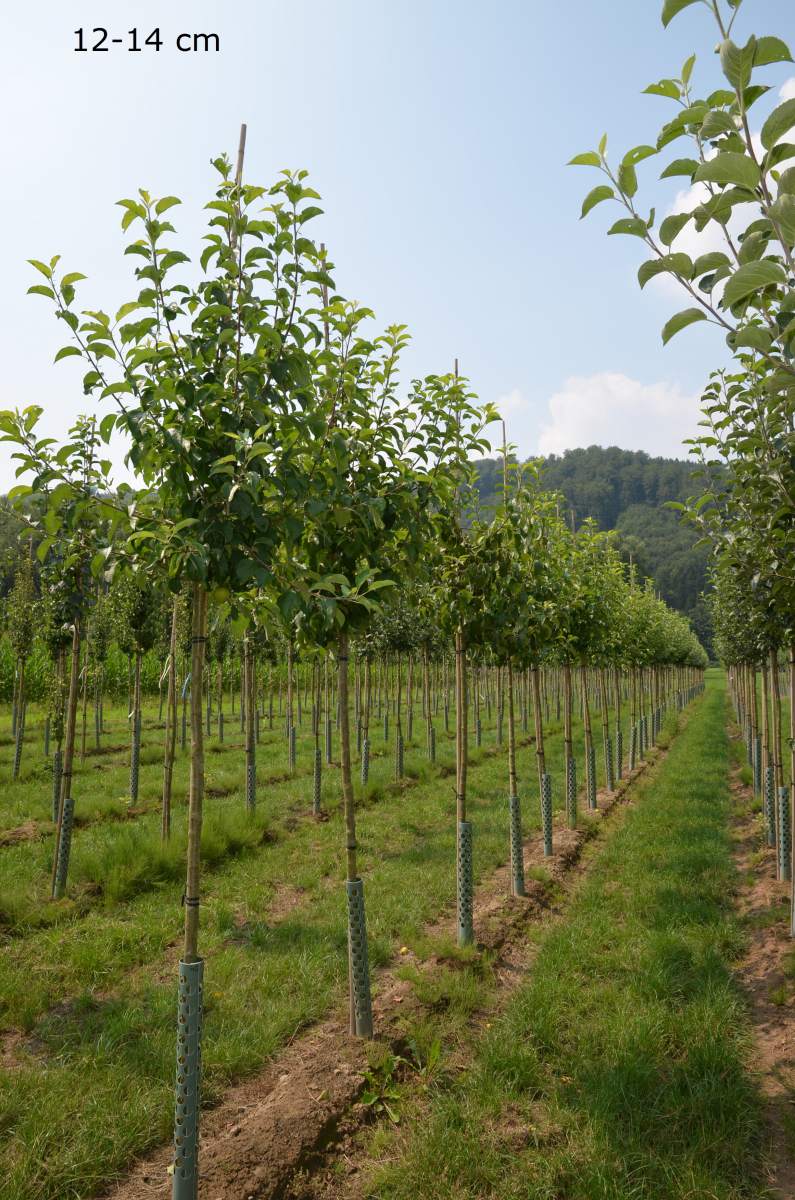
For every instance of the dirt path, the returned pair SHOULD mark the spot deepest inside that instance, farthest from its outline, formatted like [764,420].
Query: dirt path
[282,1132]
[767,975]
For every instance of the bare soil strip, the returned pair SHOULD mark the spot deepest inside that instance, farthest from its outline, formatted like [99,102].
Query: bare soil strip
[767,976]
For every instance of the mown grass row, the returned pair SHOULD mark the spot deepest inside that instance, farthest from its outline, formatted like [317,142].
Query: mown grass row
[117,860]
[618,1071]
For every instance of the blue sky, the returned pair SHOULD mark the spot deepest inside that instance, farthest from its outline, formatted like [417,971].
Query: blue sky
[437,134]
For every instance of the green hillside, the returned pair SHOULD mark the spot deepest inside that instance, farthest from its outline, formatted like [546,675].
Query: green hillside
[627,490]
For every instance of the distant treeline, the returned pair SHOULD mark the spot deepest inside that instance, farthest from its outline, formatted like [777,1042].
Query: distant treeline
[626,490]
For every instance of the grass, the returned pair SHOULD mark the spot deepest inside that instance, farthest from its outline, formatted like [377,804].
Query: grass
[617,1072]
[90,981]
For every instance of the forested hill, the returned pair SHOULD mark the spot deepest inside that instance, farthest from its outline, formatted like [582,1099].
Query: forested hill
[627,490]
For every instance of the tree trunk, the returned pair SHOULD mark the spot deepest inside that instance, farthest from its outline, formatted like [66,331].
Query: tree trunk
[170,742]
[193,867]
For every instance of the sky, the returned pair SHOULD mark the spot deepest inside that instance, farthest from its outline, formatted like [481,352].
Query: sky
[436,131]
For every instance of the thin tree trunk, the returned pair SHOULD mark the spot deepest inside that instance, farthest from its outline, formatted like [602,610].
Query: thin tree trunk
[193,866]
[170,743]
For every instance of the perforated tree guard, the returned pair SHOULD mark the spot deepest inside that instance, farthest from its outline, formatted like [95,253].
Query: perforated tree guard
[185,1184]
[478,733]
[221,728]
[464,885]
[57,761]
[365,761]
[609,763]
[432,745]
[18,748]
[785,828]
[770,805]
[571,792]
[316,784]
[64,848]
[546,812]
[619,753]
[758,765]
[135,760]
[499,729]
[410,725]
[590,776]
[328,740]
[517,855]
[633,746]
[359,964]
[251,786]
[399,756]
[292,747]
[47,738]
[386,726]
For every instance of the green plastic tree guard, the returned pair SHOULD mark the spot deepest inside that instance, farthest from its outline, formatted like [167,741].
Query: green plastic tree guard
[546,812]
[359,963]
[517,854]
[185,1184]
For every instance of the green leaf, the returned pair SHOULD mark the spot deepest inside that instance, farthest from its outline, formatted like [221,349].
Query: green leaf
[44,547]
[674,264]
[771,50]
[753,336]
[680,166]
[680,321]
[72,277]
[638,153]
[67,352]
[783,213]
[666,87]
[753,277]
[716,123]
[687,69]
[600,193]
[166,203]
[589,159]
[730,168]
[627,179]
[672,226]
[672,7]
[39,289]
[629,225]
[40,266]
[711,261]
[778,123]
[738,62]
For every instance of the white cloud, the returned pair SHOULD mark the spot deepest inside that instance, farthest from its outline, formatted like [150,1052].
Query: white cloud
[610,409]
[787,91]
[511,402]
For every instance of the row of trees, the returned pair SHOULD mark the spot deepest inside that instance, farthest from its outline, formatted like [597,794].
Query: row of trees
[739,158]
[287,479]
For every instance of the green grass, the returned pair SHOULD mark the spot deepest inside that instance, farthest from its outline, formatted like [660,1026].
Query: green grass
[90,981]
[618,1071]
